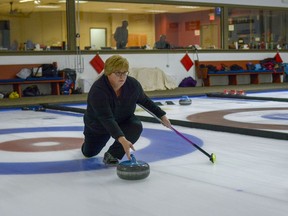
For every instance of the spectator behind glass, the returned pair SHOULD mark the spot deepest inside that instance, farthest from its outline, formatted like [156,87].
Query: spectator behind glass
[121,35]
[14,46]
[162,43]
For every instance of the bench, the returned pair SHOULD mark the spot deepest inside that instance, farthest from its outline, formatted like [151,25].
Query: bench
[8,77]
[205,74]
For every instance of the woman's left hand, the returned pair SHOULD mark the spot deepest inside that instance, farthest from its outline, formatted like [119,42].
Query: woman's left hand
[166,122]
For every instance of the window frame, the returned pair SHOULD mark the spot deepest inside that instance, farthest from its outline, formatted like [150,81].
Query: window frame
[72,22]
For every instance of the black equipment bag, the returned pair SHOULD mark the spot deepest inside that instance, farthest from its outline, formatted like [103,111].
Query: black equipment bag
[49,70]
[31,91]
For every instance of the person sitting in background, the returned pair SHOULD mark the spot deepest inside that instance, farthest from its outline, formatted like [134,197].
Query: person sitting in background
[162,43]
[14,46]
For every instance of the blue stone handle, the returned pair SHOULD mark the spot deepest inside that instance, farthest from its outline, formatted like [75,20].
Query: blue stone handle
[185,98]
[133,159]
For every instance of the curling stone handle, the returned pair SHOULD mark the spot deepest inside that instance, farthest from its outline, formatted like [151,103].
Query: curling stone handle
[133,159]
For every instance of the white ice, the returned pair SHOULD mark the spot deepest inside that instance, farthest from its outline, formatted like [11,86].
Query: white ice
[249,177]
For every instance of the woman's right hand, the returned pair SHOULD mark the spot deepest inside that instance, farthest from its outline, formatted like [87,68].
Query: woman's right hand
[127,145]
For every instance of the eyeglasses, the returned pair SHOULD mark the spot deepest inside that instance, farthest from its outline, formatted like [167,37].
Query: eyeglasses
[120,74]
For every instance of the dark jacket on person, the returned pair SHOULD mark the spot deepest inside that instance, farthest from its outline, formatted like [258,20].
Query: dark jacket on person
[162,45]
[121,37]
[104,110]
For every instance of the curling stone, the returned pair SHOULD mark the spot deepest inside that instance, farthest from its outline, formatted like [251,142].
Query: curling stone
[233,92]
[225,92]
[241,93]
[185,100]
[133,169]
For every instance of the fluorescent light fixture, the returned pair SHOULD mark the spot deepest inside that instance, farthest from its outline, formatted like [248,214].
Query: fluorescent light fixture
[23,1]
[48,6]
[35,1]
[186,7]
[76,1]
[116,9]
[156,11]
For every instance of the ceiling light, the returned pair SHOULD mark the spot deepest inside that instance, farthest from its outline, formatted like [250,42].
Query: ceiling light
[76,1]
[156,11]
[116,9]
[35,1]
[23,1]
[187,7]
[48,6]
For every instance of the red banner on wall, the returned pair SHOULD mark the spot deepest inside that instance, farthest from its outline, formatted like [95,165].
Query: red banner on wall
[173,25]
[192,25]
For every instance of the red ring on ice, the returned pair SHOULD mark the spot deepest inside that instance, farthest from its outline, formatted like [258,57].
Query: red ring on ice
[42,144]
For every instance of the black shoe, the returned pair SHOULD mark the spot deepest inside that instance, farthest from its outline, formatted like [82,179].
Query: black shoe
[110,160]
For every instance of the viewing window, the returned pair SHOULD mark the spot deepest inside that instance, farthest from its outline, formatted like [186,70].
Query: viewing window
[32,25]
[257,29]
[42,25]
[183,26]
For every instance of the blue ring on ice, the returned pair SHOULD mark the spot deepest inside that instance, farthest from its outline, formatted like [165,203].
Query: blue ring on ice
[276,116]
[164,145]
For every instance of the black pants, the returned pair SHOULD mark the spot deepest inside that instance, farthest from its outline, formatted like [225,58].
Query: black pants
[121,45]
[94,143]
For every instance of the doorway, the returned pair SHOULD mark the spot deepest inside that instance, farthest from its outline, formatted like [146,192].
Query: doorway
[98,38]
[210,36]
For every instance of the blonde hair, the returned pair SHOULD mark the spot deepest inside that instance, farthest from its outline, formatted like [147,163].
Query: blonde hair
[115,63]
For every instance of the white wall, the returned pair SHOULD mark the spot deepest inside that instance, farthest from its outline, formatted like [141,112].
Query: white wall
[171,65]
[168,62]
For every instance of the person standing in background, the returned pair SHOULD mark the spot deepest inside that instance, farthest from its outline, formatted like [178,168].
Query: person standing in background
[121,35]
